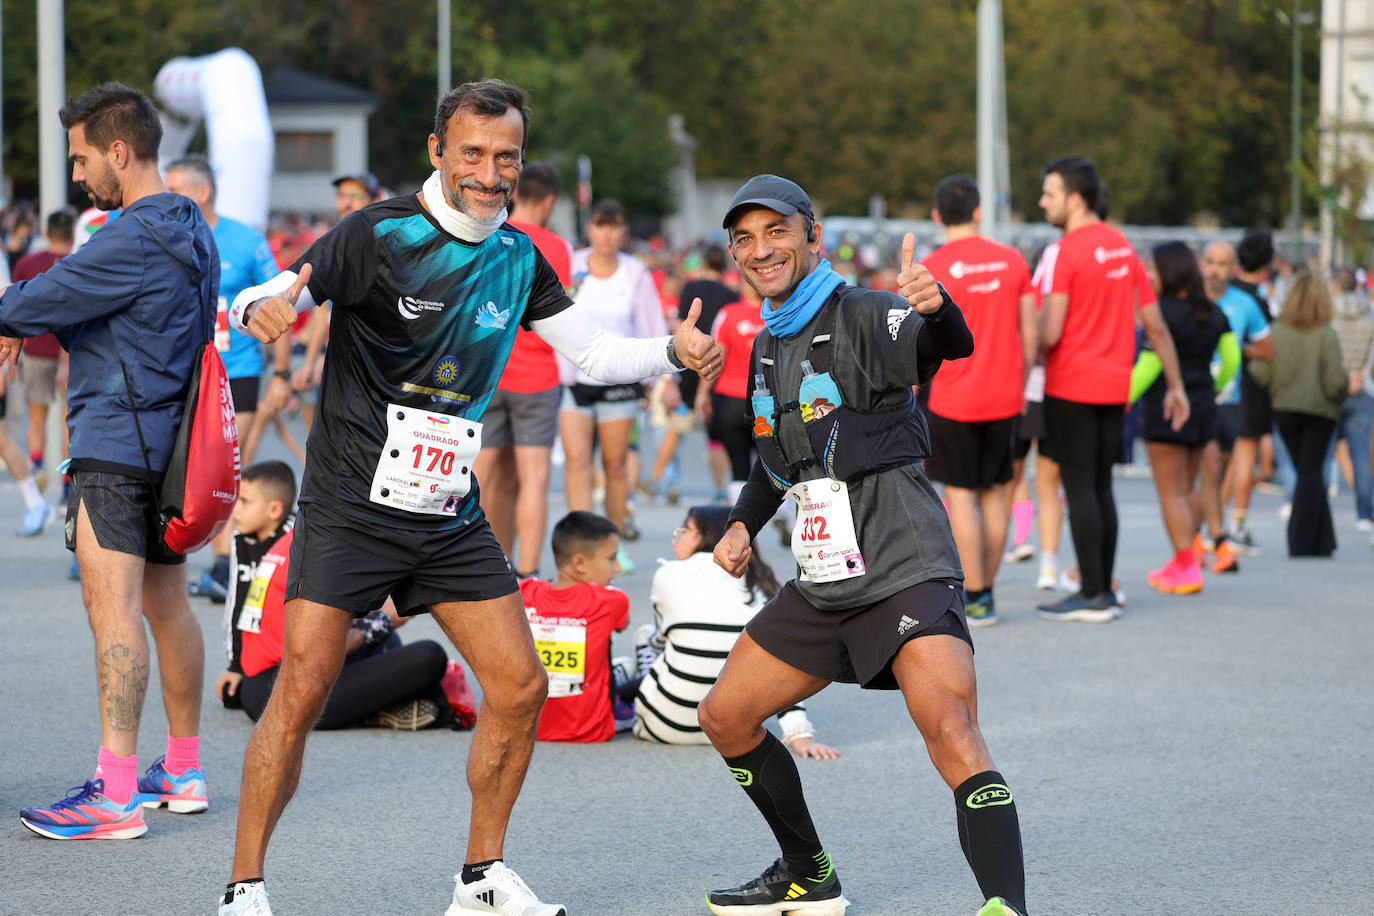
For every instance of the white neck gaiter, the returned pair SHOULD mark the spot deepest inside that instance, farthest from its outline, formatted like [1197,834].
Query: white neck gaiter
[455,222]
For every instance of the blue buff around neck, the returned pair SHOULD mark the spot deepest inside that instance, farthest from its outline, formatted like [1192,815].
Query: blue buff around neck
[788,318]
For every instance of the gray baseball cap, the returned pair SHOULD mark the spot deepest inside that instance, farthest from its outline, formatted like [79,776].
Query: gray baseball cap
[772,192]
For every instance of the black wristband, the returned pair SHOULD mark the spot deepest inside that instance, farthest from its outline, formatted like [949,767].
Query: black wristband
[283,374]
[672,354]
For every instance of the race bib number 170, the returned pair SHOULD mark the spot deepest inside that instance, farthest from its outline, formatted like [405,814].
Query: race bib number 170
[426,463]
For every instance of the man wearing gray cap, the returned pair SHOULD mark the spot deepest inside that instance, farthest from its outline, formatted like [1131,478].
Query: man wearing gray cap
[879,599]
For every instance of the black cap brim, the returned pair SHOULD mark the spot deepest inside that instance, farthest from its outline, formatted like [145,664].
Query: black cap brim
[771,203]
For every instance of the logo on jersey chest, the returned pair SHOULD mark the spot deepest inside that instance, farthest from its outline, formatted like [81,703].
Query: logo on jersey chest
[411,308]
[446,371]
[488,316]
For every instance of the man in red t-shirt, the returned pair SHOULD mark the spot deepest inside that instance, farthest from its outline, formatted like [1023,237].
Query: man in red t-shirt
[723,403]
[974,403]
[572,619]
[521,422]
[1098,293]
[44,362]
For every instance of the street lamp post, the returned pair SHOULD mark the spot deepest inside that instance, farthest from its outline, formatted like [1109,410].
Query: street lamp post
[1295,155]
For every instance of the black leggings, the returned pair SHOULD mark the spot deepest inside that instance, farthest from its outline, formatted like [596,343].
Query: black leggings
[730,427]
[1310,532]
[367,683]
[1087,440]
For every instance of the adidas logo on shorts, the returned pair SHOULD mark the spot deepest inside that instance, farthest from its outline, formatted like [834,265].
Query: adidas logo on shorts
[905,624]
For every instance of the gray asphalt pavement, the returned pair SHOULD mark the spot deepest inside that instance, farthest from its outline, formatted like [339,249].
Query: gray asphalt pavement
[1202,755]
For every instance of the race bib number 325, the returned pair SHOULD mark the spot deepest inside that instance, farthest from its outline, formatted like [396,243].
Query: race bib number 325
[426,463]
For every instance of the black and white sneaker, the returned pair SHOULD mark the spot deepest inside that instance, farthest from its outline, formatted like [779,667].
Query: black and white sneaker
[645,656]
[778,891]
[499,890]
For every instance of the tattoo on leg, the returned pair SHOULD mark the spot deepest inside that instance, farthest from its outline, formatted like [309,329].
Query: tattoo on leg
[123,684]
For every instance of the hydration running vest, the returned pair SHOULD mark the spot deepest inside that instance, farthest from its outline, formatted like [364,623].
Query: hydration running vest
[847,443]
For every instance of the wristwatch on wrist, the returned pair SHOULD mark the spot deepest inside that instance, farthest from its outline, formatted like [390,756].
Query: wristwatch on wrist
[283,374]
[672,354]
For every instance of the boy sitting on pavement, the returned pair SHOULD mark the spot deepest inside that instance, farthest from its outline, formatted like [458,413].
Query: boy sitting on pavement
[572,619]
[382,682]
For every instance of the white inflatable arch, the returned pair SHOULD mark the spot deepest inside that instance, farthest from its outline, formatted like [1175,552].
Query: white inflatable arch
[225,90]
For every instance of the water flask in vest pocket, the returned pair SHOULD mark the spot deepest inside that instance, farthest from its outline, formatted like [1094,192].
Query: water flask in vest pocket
[819,395]
[762,402]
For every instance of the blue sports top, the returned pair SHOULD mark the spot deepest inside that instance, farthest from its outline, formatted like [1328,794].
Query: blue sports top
[245,260]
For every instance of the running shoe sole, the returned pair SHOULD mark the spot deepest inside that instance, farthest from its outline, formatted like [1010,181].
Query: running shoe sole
[456,910]
[121,831]
[1191,588]
[1083,615]
[179,805]
[835,906]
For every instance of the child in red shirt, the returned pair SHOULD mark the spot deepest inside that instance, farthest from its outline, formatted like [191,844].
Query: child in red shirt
[572,619]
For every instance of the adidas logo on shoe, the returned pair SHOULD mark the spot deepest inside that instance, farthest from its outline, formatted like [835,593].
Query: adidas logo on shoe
[905,624]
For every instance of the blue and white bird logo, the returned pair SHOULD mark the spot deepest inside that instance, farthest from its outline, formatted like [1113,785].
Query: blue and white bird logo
[446,372]
[489,317]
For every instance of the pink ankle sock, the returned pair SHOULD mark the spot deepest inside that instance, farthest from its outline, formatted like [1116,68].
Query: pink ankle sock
[182,754]
[1022,514]
[120,774]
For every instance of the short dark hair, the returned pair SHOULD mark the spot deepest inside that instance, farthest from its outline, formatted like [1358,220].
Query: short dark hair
[1079,176]
[276,477]
[538,182]
[1255,251]
[955,200]
[114,111]
[577,532]
[1103,207]
[608,210]
[714,256]
[61,225]
[489,98]
[1346,279]
[198,167]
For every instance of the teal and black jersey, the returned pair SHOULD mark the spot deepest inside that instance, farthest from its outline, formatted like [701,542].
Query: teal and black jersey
[421,320]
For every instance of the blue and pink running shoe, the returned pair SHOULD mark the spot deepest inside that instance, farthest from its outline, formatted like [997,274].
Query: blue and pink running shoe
[86,814]
[184,794]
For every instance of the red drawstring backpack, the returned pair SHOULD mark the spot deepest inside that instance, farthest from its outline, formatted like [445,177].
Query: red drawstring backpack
[202,481]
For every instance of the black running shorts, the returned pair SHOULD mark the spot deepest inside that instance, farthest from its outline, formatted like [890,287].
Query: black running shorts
[354,566]
[1229,423]
[858,646]
[123,515]
[974,456]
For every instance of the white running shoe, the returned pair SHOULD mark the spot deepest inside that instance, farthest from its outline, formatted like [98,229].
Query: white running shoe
[499,890]
[248,900]
[645,656]
[1049,579]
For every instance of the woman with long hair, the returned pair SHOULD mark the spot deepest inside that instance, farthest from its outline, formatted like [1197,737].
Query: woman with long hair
[615,292]
[699,612]
[1199,329]
[1308,384]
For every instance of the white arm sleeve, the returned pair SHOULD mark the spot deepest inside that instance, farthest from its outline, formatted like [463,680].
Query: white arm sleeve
[613,360]
[273,287]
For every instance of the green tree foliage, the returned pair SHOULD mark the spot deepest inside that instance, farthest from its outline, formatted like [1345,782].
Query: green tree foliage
[1182,103]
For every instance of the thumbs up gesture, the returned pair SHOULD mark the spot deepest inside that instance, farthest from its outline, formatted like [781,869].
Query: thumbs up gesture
[915,283]
[697,349]
[269,319]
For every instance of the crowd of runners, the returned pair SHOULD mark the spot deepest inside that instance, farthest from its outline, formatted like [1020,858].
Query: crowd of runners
[447,352]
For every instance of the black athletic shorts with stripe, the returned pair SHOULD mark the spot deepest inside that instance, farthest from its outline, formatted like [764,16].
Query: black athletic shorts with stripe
[354,566]
[858,646]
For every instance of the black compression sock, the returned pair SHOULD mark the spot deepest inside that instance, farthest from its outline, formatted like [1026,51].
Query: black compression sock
[229,888]
[476,870]
[991,837]
[769,777]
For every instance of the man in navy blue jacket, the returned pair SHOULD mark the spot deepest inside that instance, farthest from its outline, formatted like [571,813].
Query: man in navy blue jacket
[131,307]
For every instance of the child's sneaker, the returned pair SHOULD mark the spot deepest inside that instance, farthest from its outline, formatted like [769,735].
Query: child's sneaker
[645,656]
[245,900]
[86,814]
[184,794]
[499,890]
